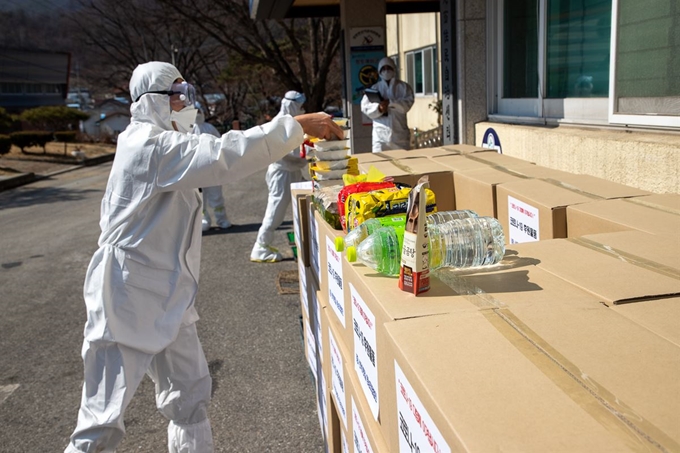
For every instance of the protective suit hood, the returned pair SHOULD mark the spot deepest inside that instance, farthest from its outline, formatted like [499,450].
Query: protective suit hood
[386,61]
[152,108]
[289,107]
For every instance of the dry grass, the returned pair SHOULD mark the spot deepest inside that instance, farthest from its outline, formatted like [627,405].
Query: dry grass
[55,152]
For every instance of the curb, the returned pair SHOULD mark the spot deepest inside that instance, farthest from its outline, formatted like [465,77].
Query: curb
[27,178]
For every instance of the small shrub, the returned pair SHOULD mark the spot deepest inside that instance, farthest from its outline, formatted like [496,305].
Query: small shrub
[26,139]
[66,137]
[5,144]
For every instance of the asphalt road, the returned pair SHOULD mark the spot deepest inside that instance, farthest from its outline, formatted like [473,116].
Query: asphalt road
[263,398]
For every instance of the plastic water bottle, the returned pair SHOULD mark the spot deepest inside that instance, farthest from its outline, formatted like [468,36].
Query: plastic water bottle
[358,234]
[459,243]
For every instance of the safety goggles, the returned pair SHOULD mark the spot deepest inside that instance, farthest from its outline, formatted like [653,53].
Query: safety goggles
[296,97]
[181,92]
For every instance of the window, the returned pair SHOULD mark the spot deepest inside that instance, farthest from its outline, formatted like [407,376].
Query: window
[589,61]
[421,70]
[646,69]
[553,59]
[34,88]
[11,88]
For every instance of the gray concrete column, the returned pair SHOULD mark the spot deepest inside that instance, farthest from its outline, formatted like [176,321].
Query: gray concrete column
[367,18]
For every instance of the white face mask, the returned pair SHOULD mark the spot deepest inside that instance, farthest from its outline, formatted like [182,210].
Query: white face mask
[184,119]
[387,75]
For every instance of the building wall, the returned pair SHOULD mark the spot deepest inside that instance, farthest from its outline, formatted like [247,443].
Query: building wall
[646,160]
[407,32]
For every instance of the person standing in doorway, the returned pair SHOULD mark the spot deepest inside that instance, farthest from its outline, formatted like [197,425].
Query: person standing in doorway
[390,127]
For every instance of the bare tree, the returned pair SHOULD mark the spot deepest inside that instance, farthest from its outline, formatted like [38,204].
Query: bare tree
[297,53]
[120,35]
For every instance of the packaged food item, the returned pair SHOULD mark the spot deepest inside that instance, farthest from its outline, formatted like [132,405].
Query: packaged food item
[331,145]
[328,155]
[351,163]
[357,188]
[380,203]
[325,199]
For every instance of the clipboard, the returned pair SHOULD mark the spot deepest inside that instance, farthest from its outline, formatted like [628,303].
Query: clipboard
[373,95]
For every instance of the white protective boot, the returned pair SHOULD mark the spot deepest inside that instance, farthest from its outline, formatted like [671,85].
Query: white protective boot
[264,254]
[205,223]
[221,217]
[196,438]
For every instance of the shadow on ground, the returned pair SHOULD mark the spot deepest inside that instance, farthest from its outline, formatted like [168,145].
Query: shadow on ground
[245,228]
[38,196]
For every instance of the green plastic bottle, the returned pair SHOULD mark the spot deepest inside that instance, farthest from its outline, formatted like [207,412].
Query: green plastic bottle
[358,234]
[381,251]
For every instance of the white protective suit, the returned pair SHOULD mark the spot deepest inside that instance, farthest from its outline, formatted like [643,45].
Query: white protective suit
[390,130]
[280,175]
[142,281]
[213,198]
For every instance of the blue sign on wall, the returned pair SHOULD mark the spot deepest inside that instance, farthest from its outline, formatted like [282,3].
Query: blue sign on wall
[491,140]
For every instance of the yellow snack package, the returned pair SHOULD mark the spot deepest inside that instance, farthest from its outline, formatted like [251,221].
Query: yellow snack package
[360,207]
[373,175]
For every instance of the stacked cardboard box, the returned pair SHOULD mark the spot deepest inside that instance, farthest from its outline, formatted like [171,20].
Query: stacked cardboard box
[567,345]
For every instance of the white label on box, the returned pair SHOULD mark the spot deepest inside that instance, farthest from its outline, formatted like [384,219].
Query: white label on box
[417,431]
[338,378]
[311,350]
[304,296]
[361,443]
[365,355]
[336,296]
[522,222]
[343,441]
[317,326]
[303,185]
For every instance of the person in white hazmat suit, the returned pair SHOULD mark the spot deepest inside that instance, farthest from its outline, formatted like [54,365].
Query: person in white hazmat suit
[141,283]
[213,198]
[390,128]
[280,175]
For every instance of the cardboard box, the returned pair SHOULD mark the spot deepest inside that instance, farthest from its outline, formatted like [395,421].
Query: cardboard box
[528,377]
[313,244]
[467,149]
[440,180]
[601,271]
[658,315]
[300,200]
[337,357]
[533,210]
[332,285]
[365,435]
[476,189]
[460,163]
[369,157]
[305,282]
[609,216]
[659,253]
[388,168]
[415,153]
[668,201]
[597,187]
[501,160]
[372,300]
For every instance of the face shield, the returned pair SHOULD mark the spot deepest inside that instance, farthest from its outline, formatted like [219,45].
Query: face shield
[182,94]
